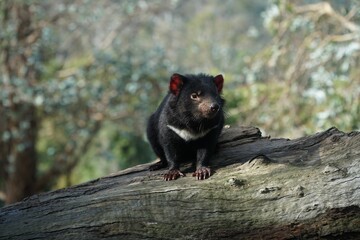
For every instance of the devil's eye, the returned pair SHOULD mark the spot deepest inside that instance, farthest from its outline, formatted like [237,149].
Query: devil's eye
[194,96]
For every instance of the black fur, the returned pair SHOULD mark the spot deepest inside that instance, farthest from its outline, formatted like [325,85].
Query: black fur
[194,105]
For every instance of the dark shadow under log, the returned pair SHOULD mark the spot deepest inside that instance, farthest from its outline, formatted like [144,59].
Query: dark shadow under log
[263,188]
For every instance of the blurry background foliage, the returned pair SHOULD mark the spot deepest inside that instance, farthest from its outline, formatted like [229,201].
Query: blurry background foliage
[79,78]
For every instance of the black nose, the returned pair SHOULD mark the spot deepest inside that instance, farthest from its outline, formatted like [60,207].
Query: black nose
[214,107]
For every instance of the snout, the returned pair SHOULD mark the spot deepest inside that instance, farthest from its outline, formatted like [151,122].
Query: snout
[214,108]
[209,110]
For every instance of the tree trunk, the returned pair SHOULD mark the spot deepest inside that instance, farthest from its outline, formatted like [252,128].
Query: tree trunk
[21,174]
[18,118]
[262,188]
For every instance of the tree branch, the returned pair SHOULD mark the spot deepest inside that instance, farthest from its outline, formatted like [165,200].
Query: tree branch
[324,8]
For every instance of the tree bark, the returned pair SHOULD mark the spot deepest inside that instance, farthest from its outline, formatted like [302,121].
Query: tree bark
[262,188]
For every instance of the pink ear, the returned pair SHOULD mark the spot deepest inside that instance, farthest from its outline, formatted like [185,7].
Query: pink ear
[219,81]
[176,83]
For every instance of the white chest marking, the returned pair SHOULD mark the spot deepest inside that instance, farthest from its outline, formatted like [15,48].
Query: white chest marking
[188,136]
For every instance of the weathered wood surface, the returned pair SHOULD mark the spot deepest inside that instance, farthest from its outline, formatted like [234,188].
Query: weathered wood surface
[263,188]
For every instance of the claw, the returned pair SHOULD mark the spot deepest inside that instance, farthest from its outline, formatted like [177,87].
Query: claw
[202,173]
[173,175]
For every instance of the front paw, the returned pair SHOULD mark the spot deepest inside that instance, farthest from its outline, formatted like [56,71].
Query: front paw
[173,174]
[202,173]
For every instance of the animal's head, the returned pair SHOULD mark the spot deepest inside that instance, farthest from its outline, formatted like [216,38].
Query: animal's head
[198,96]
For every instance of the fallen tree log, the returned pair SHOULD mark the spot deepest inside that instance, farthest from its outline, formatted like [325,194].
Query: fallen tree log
[262,188]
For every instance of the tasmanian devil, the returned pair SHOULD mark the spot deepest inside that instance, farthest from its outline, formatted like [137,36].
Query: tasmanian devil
[187,124]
